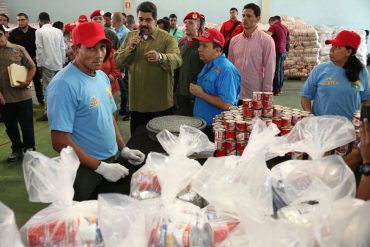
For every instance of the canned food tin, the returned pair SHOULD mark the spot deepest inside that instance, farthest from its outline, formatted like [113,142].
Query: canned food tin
[241,144]
[277,112]
[216,232]
[241,135]
[286,122]
[285,130]
[247,103]
[220,153]
[257,113]
[240,126]
[267,96]
[295,118]
[230,145]
[247,112]
[342,150]
[230,134]
[220,144]
[267,121]
[230,125]
[220,133]
[147,180]
[257,96]
[277,121]
[267,113]
[267,104]
[257,104]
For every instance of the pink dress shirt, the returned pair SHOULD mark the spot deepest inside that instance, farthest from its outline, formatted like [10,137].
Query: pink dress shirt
[255,59]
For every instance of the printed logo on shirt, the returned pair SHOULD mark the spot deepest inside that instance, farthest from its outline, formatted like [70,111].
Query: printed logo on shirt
[109,93]
[94,101]
[330,81]
[356,84]
[217,69]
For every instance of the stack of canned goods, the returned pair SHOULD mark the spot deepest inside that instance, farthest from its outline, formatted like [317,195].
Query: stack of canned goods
[356,122]
[232,128]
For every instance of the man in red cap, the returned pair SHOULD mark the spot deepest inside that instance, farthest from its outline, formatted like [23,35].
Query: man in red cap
[339,86]
[218,84]
[231,28]
[98,17]
[191,66]
[81,115]
[82,19]
[152,56]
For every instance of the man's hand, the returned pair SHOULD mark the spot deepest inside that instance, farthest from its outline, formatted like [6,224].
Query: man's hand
[134,157]
[22,85]
[134,42]
[196,90]
[365,140]
[112,171]
[152,56]
[2,99]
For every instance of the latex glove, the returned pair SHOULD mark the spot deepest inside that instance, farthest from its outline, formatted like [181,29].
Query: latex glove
[112,171]
[134,156]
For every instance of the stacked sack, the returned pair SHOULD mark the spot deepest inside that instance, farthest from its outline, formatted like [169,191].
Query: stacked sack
[232,128]
[303,55]
[325,33]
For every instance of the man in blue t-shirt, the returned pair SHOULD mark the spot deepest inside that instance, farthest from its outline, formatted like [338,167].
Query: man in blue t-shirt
[218,84]
[81,115]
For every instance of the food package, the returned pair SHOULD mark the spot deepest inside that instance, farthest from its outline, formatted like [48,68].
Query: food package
[9,234]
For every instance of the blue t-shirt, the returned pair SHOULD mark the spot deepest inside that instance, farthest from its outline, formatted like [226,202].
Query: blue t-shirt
[83,106]
[218,78]
[332,93]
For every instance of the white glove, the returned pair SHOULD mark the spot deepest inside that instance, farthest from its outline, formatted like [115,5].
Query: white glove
[134,156]
[112,171]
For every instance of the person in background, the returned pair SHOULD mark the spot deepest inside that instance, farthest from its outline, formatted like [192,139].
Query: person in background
[202,24]
[339,86]
[152,56]
[191,66]
[164,25]
[16,102]
[174,30]
[82,19]
[68,28]
[124,18]
[59,25]
[280,34]
[81,115]
[24,35]
[218,84]
[50,52]
[118,26]
[130,23]
[253,54]
[231,28]
[114,74]
[98,17]
[4,20]
[108,20]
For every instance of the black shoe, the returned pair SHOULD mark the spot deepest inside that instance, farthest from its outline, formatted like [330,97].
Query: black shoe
[42,118]
[15,156]
[126,118]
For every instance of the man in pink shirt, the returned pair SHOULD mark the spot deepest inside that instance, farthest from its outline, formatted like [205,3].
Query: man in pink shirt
[253,54]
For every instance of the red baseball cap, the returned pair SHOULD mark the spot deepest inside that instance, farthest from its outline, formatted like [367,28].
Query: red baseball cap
[82,18]
[192,16]
[212,35]
[88,34]
[96,12]
[68,27]
[346,38]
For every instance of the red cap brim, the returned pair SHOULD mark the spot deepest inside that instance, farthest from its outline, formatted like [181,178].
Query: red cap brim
[92,42]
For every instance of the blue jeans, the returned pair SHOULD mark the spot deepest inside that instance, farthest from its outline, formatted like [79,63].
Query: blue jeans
[20,112]
[279,71]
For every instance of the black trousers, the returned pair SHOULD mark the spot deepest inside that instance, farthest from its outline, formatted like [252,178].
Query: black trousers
[38,87]
[19,113]
[89,184]
[142,118]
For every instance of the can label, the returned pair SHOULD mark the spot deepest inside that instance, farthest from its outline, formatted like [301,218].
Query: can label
[217,232]
[247,103]
[267,112]
[257,104]
[285,130]
[230,125]
[267,104]
[267,96]
[220,133]
[278,112]
[148,181]
[277,121]
[240,126]
[241,145]
[286,121]
[247,112]
[230,145]
[230,134]
[220,144]
[220,153]
[257,113]
[257,96]
[241,136]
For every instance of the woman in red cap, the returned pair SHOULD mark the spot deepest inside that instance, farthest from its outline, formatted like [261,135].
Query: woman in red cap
[338,87]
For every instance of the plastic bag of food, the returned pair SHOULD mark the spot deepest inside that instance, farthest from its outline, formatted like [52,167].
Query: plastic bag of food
[9,234]
[170,175]
[64,222]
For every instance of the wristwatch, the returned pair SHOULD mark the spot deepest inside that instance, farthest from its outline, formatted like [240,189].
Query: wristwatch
[364,169]
[160,60]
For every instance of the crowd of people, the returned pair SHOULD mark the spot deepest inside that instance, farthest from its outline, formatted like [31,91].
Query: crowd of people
[160,69]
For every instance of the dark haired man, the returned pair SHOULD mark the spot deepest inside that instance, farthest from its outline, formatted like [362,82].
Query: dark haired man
[152,56]
[231,28]
[174,30]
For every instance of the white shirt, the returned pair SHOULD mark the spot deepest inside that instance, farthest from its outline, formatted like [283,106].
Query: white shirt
[50,48]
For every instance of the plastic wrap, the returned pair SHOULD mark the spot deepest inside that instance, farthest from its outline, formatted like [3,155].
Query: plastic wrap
[9,234]
[170,175]
[64,222]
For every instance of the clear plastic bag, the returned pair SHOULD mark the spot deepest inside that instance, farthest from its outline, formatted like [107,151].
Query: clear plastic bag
[64,222]
[9,234]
